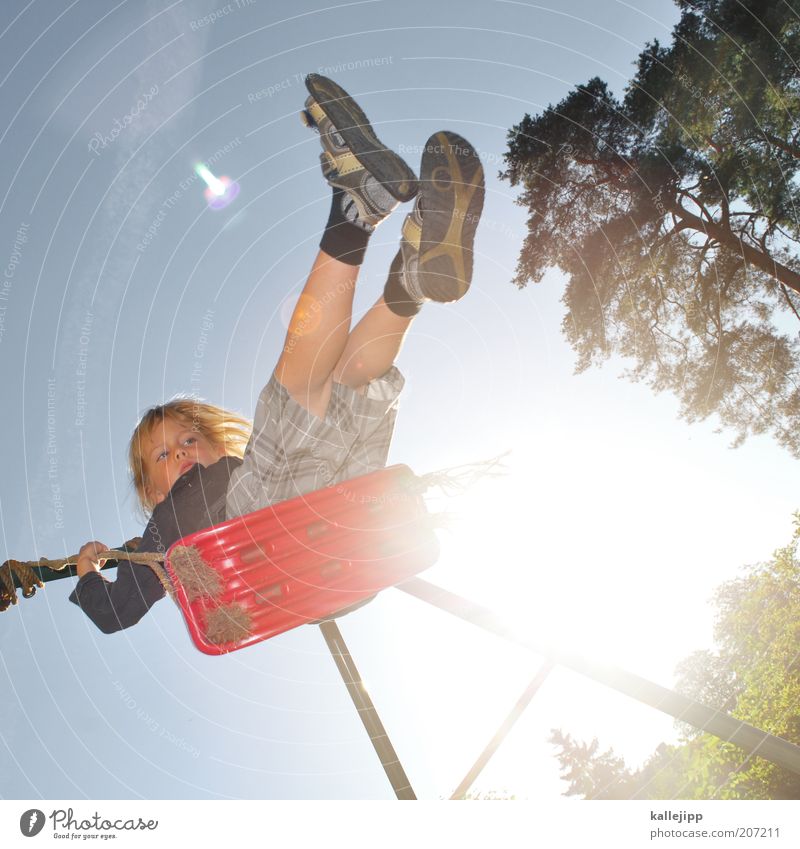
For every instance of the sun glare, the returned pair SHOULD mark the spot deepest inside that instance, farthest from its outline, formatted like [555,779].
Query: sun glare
[576,544]
[583,551]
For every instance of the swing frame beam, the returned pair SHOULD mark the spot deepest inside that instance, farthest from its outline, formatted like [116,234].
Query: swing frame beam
[752,740]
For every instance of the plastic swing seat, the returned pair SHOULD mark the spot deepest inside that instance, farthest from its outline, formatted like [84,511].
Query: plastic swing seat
[302,560]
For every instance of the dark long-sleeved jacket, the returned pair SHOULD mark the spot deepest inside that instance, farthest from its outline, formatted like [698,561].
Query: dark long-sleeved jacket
[196,501]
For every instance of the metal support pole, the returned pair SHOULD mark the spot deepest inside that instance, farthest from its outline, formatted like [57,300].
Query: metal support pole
[366,710]
[508,723]
[716,722]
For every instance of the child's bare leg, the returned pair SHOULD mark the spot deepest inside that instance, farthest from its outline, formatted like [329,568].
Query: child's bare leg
[318,333]
[368,182]
[372,346]
[434,261]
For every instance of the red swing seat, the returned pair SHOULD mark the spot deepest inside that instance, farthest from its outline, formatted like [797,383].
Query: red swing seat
[310,557]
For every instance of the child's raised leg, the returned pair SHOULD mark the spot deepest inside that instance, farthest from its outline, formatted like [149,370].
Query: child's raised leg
[434,261]
[368,181]
[372,346]
[318,333]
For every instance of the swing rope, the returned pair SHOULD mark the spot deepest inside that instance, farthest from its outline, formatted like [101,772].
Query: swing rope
[456,480]
[29,579]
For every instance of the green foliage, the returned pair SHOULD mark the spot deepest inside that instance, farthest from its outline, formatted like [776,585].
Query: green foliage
[754,675]
[674,214]
[592,775]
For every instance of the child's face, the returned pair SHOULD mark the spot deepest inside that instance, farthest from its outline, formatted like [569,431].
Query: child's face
[171,449]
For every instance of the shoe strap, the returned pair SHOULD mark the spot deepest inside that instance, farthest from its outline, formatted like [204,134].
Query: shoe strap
[412,231]
[344,163]
[315,110]
[328,164]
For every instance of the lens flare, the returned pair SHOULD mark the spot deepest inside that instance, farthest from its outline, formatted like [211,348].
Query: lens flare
[221,191]
[302,316]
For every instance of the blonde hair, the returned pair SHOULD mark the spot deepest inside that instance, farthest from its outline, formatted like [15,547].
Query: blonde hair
[226,431]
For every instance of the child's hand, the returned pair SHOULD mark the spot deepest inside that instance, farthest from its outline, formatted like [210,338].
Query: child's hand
[87,557]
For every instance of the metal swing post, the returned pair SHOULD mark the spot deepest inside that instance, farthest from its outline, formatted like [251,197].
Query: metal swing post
[366,711]
[508,723]
[752,740]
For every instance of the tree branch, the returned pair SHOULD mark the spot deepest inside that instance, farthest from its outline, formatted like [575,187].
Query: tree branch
[703,251]
[726,210]
[696,202]
[785,234]
[667,236]
[786,147]
[789,301]
[725,236]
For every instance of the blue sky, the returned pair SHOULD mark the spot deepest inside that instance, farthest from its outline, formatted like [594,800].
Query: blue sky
[611,530]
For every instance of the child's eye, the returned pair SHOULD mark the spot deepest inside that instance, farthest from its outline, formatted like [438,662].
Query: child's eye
[190,440]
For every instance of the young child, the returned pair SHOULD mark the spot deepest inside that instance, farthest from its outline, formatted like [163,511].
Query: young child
[328,411]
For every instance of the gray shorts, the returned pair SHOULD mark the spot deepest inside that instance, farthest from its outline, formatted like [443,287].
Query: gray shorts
[292,452]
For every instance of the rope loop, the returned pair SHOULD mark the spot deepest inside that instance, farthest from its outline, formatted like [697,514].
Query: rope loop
[28,581]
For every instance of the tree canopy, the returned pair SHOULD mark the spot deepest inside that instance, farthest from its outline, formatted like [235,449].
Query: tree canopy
[754,674]
[673,212]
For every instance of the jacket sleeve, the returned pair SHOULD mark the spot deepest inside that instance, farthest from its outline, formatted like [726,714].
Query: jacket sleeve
[196,500]
[114,605]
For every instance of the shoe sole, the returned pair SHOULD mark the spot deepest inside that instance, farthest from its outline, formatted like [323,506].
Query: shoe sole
[352,124]
[452,191]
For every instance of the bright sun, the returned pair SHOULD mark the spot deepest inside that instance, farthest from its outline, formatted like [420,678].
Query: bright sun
[561,547]
[570,546]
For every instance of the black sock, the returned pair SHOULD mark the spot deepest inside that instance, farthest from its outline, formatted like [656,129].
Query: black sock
[394,293]
[343,240]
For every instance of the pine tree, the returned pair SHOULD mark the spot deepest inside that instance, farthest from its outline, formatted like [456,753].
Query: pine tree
[673,212]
